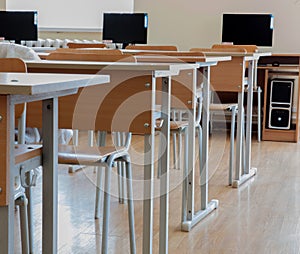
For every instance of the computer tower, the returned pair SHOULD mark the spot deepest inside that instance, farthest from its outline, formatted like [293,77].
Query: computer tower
[281,99]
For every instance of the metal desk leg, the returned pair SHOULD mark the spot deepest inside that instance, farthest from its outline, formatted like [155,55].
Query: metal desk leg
[29,196]
[164,178]
[249,118]
[248,171]
[206,208]
[7,228]
[149,145]
[148,194]
[50,178]
[244,173]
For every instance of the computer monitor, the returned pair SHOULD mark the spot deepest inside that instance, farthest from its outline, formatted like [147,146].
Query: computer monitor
[18,25]
[248,29]
[126,28]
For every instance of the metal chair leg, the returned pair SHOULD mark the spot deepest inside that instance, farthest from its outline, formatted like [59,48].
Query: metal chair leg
[74,168]
[106,210]
[185,179]
[199,128]
[22,203]
[130,208]
[99,176]
[28,193]
[232,133]
[258,114]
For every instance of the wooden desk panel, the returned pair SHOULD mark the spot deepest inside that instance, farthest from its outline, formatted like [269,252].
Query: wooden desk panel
[103,107]
[4,159]
[20,88]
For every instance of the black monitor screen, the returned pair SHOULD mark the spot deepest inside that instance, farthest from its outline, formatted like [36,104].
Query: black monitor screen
[125,27]
[248,29]
[18,25]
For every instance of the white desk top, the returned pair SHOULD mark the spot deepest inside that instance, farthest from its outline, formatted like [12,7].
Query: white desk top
[40,83]
[160,69]
[247,56]
[206,53]
[204,61]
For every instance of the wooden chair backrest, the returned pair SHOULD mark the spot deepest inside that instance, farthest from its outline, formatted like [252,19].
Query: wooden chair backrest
[85,45]
[89,57]
[101,51]
[248,48]
[182,85]
[236,84]
[228,76]
[14,65]
[234,49]
[152,47]
[172,53]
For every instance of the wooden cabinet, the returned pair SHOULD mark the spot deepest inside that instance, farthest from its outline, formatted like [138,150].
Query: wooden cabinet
[285,66]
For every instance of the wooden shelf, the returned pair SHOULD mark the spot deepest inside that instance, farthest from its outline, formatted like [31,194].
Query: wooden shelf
[288,64]
[279,135]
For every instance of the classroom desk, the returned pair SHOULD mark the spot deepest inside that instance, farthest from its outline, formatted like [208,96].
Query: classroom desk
[166,71]
[225,82]
[243,169]
[152,72]
[24,87]
[190,218]
[230,76]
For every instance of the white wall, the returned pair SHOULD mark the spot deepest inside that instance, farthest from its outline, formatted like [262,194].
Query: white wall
[197,23]
[69,14]
[2,5]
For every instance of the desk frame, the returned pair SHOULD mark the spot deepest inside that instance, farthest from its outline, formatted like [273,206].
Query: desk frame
[46,88]
[159,70]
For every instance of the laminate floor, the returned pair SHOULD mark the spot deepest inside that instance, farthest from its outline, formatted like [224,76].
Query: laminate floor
[262,216]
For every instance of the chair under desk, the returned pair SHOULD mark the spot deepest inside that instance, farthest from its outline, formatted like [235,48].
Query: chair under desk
[153,71]
[145,76]
[230,76]
[190,216]
[19,88]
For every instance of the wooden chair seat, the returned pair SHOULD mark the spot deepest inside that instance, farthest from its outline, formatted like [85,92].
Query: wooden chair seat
[248,48]
[222,106]
[152,47]
[174,125]
[89,57]
[101,51]
[86,155]
[85,45]
[26,152]
[220,49]
[172,53]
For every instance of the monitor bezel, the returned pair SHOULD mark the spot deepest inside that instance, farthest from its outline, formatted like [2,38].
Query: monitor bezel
[142,39]
[21,36]
[266,39]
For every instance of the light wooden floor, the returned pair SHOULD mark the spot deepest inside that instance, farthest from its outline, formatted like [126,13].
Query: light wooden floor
[263,216]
